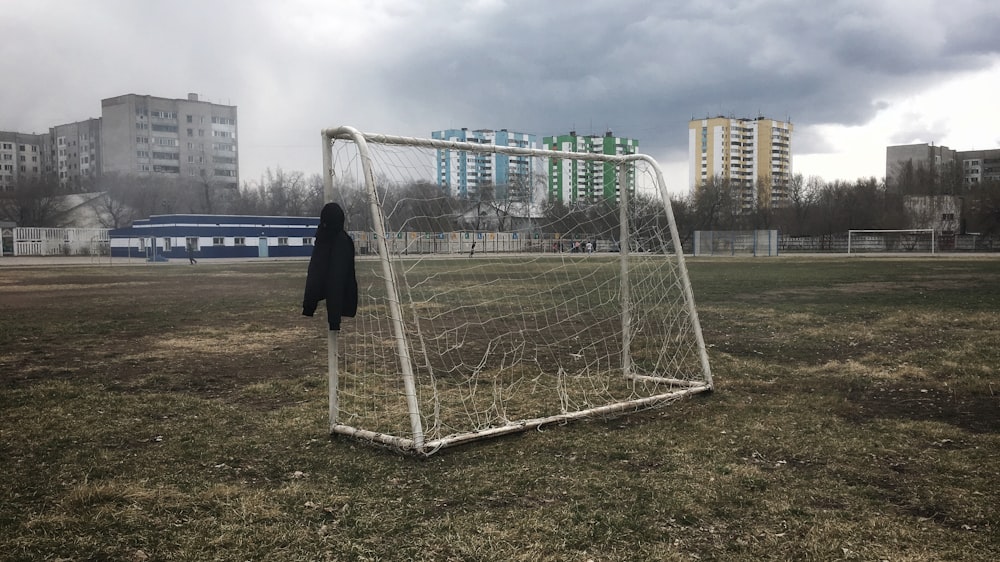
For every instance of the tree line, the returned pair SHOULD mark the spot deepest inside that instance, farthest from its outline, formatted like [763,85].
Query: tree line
[811,206]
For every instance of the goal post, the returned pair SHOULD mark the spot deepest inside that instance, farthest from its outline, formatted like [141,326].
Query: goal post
[920,240]
[484,311]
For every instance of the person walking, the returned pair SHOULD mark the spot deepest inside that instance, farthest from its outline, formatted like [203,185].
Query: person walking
[190,253]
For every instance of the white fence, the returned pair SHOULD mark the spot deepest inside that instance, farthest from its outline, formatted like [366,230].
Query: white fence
[32,241]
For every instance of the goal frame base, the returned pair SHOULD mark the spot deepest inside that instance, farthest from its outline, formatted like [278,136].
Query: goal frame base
[428,448]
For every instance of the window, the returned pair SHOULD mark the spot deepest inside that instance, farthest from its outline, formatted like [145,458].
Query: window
[239,241]
[282,241]
[167,244]
[190,132]
[948,216]
[218,241]
[307,241]
[190,119]
[165,128]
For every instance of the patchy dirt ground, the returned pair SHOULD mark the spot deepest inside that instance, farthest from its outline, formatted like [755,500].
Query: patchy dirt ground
[848,424]
[207,329]
[214,329]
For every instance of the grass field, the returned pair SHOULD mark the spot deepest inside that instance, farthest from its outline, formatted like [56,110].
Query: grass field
[171,412]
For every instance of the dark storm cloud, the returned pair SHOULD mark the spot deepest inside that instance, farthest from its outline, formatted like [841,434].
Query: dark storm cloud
[644,69]
[639,68]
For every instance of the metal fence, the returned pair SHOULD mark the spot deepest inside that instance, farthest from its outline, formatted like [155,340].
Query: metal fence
[736,242]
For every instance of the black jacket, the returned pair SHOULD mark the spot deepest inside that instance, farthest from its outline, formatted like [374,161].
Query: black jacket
[331,269]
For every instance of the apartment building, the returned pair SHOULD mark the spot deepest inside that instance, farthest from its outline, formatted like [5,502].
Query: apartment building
[975,166]
[465,174]
[75,152]
[583,181]
[172,138]
[23,157]
[135,135]
[753,155]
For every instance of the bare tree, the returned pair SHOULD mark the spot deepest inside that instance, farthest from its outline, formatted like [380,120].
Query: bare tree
[34,202]
[420,207]
[715,205]
[114,210]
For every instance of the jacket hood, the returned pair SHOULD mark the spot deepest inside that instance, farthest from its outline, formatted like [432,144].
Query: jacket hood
[331,223]
[332,218]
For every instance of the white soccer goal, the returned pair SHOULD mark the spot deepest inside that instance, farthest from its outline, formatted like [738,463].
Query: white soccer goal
[916,240]
[452,346]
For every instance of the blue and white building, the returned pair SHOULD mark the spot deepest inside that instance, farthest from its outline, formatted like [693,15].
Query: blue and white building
[215,236]
[463,174]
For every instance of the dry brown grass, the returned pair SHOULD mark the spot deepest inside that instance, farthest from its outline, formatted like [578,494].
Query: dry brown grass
[176,413]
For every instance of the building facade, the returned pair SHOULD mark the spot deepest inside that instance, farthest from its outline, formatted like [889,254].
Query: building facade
[974,166]
[467,174]
[980,165]
[135,135]
[583,181]
[23,157]
[754,156]
[75,153]
[171,138]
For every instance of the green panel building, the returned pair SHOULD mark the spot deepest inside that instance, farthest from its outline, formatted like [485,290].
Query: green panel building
[579,181]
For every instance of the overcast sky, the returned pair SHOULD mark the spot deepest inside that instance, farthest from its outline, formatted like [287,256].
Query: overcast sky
[852,75]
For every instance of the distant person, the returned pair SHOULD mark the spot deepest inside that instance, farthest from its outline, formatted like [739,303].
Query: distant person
[190,253]
[473,250]
[331,275]
[590,247]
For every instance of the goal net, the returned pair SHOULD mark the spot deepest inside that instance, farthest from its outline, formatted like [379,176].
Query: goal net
[891,241]
[487,308]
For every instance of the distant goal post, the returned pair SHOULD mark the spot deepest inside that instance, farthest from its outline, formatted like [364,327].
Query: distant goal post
[446,350]
[913,240]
